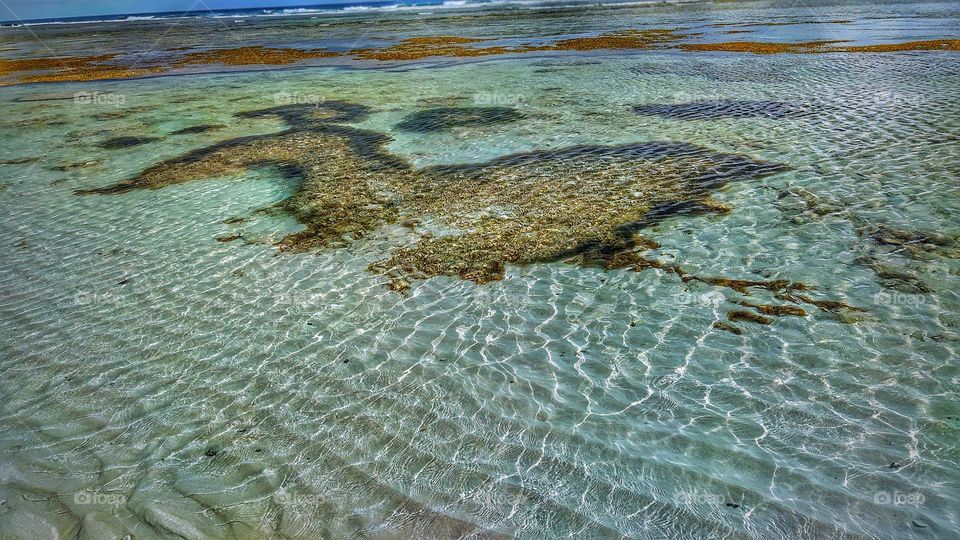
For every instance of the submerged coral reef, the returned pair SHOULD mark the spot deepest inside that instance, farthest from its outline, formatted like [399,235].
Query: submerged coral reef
[582,204]
[522,208]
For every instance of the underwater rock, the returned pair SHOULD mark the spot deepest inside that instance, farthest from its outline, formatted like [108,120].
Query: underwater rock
[727,327]
[725,108]
[444,118]
[229,237]
[742,285]
[777,311]
[832,306]
[117,143]
[819,205]
[743,315]
[928,241]
[898,280]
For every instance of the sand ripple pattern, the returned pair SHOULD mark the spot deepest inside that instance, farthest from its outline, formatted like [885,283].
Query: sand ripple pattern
[159,383]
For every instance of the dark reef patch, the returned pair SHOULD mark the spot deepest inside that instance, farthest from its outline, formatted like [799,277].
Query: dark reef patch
[203,128]
[444,118]
[725,108]
[116,143]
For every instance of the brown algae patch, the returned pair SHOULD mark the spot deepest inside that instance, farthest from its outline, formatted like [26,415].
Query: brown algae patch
[762,47]
[417,48]
[626,39]
[749,316]
[112,66]
[425,47]
[929,45]
[52,63]
[115,66]
[583,201]
[73,68]
[247,56]
[783,289]
[823,46]
[774,310]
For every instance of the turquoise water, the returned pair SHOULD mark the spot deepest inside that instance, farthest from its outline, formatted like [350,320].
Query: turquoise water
[160,383]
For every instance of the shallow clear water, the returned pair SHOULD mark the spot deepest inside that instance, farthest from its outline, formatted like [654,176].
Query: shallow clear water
[158,382]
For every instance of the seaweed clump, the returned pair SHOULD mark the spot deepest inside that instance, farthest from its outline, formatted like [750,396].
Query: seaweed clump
[418,48]
[471,220]
[252,55]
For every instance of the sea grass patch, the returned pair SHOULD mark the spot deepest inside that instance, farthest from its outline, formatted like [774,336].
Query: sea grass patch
[445,118]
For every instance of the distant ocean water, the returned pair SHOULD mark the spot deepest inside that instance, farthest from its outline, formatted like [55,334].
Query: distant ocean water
[325,9]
